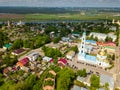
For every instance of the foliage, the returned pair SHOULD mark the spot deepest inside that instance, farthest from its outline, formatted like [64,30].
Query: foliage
[49,82]
[3,39]
[30,81]
[51,52]
[9,61]
[50,76]
[17,44]
[39,83]
[81,84]
[56,40]
[65,79]
[75,49]
[82,73]
[95,81]
[106,86]
[55,68]
[108,39]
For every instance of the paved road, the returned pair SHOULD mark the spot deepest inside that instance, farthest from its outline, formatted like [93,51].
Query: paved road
[117,65]
[88,67]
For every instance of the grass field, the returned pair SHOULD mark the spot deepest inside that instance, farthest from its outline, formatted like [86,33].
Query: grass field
[66,16]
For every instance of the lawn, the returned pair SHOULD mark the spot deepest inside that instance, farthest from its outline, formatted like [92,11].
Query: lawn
[65,16]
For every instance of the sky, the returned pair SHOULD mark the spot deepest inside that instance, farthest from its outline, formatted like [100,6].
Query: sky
[61,3]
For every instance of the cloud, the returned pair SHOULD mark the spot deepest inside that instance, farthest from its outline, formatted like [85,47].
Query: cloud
[60,3]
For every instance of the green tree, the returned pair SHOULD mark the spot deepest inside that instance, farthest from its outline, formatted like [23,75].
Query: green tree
[56,40]
[95,81]
[82,73]
[65,79]
[75,49]
[17,44]
[30,82]
[108,39]
[3,39]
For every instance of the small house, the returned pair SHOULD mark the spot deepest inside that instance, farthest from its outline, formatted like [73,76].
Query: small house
[22,62]
[7,46]
[47,59]
[62,62]
[33,56]
[18,52]
[70,55]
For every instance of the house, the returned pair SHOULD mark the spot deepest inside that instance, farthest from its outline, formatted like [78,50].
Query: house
[113,28]
[65,39]
[7,46]
[47,59]
[114,37]
[100,36]
[33,56]
[18,52]
[70,55]
[62,62]
[22,62]
[76,34]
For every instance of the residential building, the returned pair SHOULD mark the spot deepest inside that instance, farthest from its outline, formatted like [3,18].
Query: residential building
[47,59]
[7,46]
[33,56]
[18,52]
[22,62]
[70,55]
[62,62]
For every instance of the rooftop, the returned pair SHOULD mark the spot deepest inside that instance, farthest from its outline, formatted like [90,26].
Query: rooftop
[91,41]
[18,51]
[64,61]
[7,45]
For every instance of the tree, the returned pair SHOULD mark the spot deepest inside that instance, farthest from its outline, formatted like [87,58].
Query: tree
[106,86]
[96,38]
[51,52]
[75,49]
[17,44]
[26,44]
[95,81]
[108,39]
[82,73]
[30,81]
[56,40]
[65,79]
[3,39]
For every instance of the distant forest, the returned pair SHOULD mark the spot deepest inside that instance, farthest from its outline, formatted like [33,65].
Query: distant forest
[55,10]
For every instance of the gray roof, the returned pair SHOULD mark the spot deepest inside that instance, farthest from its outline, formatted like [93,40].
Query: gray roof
[75,87]
[107,79]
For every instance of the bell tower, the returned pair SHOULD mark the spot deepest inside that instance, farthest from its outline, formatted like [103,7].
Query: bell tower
[81,47]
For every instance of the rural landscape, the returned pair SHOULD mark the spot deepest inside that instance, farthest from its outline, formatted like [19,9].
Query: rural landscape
[51,45]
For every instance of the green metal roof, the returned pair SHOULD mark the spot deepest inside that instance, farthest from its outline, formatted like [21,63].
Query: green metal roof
[7,45]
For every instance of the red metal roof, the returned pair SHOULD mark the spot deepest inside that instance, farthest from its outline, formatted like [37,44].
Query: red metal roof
[24,61]
[62,60]
[18,51]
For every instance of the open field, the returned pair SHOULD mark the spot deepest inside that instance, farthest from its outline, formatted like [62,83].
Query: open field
[65,16]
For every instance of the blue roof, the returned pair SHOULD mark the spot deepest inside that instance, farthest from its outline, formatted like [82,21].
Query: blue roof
[91,58]
[91,41]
